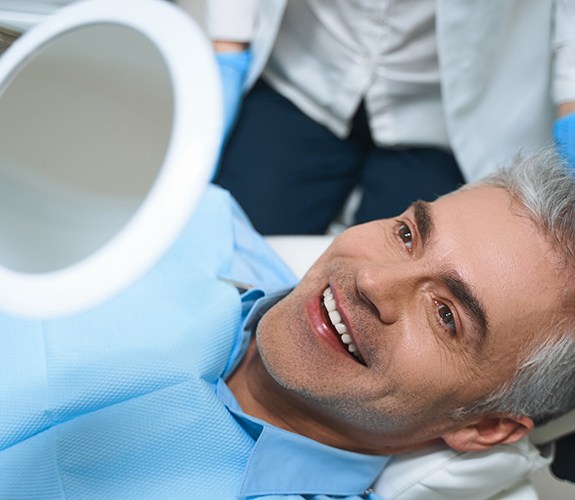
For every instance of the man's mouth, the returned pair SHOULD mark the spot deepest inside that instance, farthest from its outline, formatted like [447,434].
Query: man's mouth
[338,325]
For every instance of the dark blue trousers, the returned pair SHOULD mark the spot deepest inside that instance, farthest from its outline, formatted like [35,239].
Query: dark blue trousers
[292,175]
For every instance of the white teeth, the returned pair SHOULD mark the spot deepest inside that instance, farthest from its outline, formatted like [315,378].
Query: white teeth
[329,304]
[346,339]
[341,329]
[335,318]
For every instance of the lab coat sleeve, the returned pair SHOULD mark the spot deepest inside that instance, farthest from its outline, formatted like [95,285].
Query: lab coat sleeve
[231,20]
[564,52]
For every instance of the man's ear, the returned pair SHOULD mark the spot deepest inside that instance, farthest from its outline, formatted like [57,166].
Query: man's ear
[488,431]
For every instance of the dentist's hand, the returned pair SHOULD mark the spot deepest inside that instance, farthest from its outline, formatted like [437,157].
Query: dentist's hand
[233,61]
[564,133]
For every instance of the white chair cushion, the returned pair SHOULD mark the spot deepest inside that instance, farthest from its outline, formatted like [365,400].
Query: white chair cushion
[442,473]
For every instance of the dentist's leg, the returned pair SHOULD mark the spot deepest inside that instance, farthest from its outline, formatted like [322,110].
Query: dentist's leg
[290,174]
[392,179]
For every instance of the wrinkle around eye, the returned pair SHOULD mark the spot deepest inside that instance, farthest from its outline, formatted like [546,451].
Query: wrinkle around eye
[473,309]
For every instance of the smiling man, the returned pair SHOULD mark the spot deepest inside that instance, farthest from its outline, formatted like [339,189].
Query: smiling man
[450,324]
[404,322]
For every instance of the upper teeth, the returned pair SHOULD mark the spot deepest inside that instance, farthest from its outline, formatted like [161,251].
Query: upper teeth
[335,318]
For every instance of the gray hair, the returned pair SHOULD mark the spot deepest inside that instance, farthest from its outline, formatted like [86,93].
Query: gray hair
[544,385]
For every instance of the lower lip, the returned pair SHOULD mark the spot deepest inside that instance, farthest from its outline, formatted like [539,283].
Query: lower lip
[320,325]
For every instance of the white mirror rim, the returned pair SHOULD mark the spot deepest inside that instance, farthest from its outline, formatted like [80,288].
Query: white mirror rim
[190,157]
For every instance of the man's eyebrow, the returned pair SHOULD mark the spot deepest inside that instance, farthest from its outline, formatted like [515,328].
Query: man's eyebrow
[458,287]
[423,220]
[465,296]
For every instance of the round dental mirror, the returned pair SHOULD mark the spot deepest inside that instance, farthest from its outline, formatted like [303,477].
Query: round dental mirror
[109,133]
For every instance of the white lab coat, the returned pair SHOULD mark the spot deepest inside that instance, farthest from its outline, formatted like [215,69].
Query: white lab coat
[505,65]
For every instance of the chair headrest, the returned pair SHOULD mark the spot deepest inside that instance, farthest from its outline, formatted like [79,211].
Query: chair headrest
[555,429]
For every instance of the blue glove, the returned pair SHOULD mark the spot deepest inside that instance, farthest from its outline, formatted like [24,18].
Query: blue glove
[233,70]
[564,134]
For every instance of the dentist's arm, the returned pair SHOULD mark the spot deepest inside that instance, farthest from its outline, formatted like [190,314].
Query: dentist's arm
[564,78]
[234,61]
[564,132]
[230,24]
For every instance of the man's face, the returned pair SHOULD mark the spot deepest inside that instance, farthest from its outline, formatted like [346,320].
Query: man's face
[437,304]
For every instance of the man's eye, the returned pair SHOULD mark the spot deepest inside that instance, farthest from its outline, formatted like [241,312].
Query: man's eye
[446,317]
[404,233]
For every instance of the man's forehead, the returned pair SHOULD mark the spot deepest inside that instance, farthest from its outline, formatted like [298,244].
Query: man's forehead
[473,212]
[482,195]
[507,263]
[483,212]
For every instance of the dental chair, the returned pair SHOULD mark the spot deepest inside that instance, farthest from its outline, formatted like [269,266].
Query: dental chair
[94,105]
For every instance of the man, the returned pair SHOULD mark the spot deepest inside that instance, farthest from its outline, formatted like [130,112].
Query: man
[425,301]
[445,324]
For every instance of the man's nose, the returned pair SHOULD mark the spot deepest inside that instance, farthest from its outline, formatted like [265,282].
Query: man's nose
[388,289]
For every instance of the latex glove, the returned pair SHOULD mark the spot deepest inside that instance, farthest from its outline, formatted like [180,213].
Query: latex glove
[233,67]
[564,134]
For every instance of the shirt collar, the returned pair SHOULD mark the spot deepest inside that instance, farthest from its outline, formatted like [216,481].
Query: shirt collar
[284,463]
[254,305]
